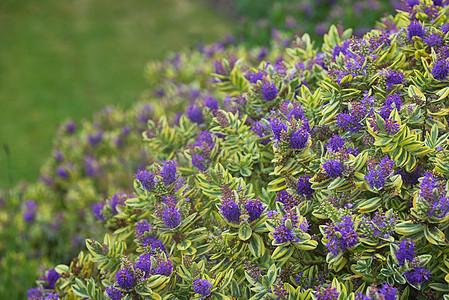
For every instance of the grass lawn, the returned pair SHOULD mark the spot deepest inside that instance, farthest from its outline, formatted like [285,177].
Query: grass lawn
[68,59]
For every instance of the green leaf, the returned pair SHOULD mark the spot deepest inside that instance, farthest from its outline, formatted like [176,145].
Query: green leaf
[256,245]
[282,253]
[434,235]
[369,205]
[245,231]
[407,228]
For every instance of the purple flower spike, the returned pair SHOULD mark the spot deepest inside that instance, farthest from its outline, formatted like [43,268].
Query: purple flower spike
[95,139]
[230,211]
[50,279]
[168,171]
[440,70]
[254,209]
[211,103]
[62,172]
[146,179]
[30,211]
[333,168]
[304,187]
[194,114]
[417,276]
[202,287]
[125,279]
[70,127]
[97,208]
[406,252]
[415,29]
[172,218]
[144,264]
[269,91]
[114,293]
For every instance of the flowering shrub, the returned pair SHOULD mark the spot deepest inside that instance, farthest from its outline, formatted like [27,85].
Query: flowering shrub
[93,164]
[333,187]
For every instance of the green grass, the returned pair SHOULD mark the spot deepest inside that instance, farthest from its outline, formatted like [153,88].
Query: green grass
[68,59]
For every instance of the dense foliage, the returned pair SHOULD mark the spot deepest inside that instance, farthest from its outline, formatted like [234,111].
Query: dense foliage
[93,164]
[320,175]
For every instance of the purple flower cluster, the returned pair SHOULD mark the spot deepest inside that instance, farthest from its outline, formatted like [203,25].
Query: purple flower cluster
[168,172]
[143,263]
[203,146]
[349,120]
[230,210]
[341,236]
[50,279]
[171,218]
[163,267]
[278,127]
[37,294]
[297,140]
[376,177]
[287,199]
[114,293]
[428,184]
[70,127]
[445,28]
[388,292]
[304,187]
[146,179]
[440,70]
[30,211]
[343,48]
[202,287]
[125,278]
[440,208]
[97,208]
[393,78]
[417,276]
[335,143]
[95,139]
[411,3]
[211,103]
[143,227]
[269,91]
[194,114]
[254,208]
[198,162]
[434,41]
[415,29]
[117,199]
[205,140]
[283,234]
[388,108]
[253,77]
[406,252]
[333,168]
[62,172]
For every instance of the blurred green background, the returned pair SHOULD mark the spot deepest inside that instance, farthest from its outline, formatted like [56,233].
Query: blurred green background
[68,59]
